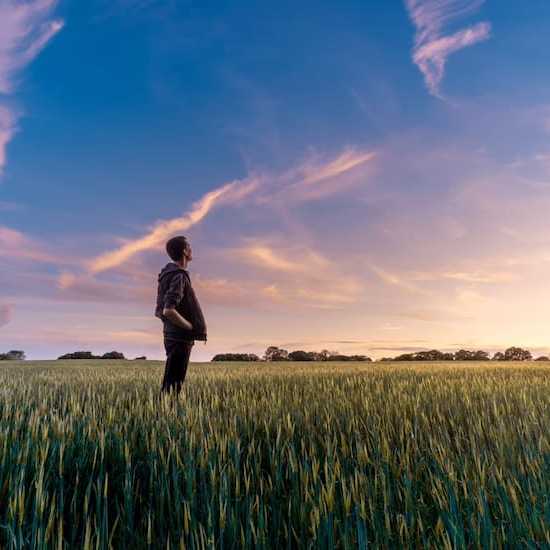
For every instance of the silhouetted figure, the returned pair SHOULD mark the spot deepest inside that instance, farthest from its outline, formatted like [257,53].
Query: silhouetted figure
[181,314]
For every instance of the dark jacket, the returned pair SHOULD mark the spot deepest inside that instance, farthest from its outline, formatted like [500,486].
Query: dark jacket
[175,291]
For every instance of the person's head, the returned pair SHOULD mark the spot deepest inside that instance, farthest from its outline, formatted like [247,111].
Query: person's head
[179,249]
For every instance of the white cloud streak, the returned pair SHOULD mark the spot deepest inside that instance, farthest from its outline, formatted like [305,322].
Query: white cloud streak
[308,181]
[7,130]
[432,48]
[229,193]
[25,29]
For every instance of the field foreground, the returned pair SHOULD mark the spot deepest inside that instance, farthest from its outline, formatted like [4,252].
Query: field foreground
[307,455]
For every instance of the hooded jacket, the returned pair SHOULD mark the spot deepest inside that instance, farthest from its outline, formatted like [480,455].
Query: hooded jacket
[175,291]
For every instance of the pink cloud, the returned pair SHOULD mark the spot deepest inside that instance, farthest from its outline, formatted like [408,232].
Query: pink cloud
[85,288]
[310,180]
[346,161]
[431,57]
[7,131]
[318,177]
[227,194]
[16,245]
[25,29]
[289,260]
[477,276]
[431,49]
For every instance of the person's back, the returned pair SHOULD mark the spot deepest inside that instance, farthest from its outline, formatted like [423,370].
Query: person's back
[176,291]
[179,309]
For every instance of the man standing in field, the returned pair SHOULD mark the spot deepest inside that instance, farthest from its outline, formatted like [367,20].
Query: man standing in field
[179,309]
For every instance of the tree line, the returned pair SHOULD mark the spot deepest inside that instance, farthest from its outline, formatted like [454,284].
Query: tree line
[90,355]
[510,354]
[274,353]
[13,355]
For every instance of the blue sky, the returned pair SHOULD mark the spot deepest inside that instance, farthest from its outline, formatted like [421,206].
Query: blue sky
[367,177]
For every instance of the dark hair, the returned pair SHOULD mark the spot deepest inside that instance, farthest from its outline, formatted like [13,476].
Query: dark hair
[175,247]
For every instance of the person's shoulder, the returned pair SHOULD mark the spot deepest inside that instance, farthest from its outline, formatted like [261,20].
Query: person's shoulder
[183,277]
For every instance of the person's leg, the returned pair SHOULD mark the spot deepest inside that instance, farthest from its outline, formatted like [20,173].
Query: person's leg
[177,360]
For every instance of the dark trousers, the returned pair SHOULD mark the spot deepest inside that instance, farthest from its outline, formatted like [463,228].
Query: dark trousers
[177,360]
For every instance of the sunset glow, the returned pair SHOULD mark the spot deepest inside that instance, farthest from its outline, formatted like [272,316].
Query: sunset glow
[371,180]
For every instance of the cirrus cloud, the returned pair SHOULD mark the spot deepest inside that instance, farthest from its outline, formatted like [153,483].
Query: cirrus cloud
[307,181]
[431,48]
[228,193]
[25,29]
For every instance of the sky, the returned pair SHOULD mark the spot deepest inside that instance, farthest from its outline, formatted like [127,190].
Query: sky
[368,177]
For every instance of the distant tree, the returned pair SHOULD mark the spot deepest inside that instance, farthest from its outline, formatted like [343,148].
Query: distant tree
[235,357]
[498,356]
[465,355]
[359,358]
[431,355]
[3,356]
[80,355]
[542,358]
[517,354]
[113,355]
[404,357]
[301,355]
[338,357]
[15,355]
[141,358]
[273,353]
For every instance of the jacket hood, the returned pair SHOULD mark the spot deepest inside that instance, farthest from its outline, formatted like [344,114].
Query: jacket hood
[169,268]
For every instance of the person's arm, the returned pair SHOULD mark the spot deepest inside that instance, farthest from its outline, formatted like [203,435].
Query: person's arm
[172,315]
[173,296]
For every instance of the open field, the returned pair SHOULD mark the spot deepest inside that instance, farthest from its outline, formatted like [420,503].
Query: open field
[275,456]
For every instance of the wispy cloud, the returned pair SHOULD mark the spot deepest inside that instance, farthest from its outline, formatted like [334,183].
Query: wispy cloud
[25,28]
[319,176]
[297,259]
[85,288]
[432,48]
[395,280]
[346,161]
[468,276]
[16,245]
[228,193]
[265,256]
[7,130]
[302,275]
[309,180]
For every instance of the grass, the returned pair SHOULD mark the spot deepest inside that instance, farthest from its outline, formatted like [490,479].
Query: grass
[288,455]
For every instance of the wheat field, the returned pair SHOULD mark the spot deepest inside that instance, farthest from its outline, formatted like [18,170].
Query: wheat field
[275,455]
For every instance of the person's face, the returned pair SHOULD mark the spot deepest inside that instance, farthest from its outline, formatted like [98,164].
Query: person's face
[188,252]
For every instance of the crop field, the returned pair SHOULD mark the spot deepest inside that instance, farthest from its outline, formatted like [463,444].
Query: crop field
[275,455]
